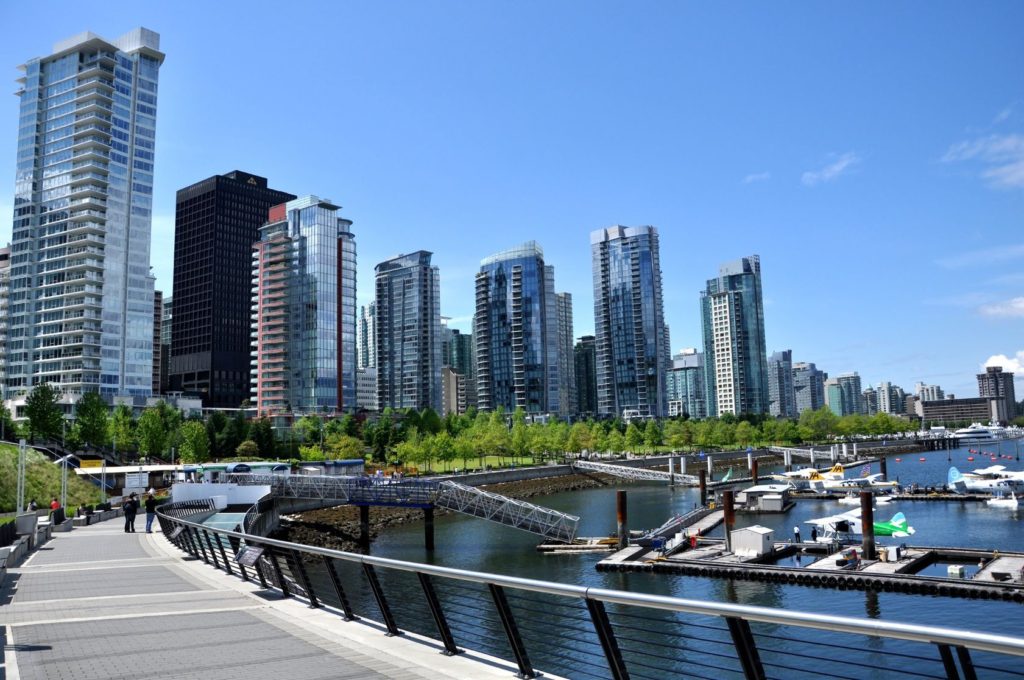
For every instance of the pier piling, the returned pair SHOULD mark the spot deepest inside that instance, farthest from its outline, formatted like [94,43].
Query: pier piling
[867,520]
[671,471]
[730,516]
[620,517]
[711,471]
[753,471]
[703,488]
[428,528]
[682,464]
[885,471]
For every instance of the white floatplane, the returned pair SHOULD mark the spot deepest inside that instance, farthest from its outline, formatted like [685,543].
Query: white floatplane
[1003,501]
[843,526]
[991,479]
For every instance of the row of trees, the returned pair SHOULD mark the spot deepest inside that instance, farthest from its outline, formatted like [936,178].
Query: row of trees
[416,437]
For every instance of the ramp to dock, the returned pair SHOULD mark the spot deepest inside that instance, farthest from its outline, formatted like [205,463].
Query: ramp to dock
[634,473]
[419,493]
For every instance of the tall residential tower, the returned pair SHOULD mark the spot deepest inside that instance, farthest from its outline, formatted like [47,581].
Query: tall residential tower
[304,311]
[629,322]
[408,333]
[81,292]
[735,359]
[516,332]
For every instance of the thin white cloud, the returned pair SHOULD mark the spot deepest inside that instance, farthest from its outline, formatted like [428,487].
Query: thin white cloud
[1002,115]
[833,170]
[1013,307]
[757,177]
[986,256]
[1000,156]
[1013,364]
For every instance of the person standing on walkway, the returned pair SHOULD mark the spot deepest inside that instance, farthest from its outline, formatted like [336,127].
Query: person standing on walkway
[796,534]
[150,512]
[130,508]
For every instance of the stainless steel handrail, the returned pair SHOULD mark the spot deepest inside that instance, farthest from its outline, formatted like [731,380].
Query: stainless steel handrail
[1001,644]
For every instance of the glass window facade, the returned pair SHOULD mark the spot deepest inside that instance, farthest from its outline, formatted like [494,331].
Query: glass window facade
[81,313]
[408,333]
[735,359]
[516,331]
[629,322]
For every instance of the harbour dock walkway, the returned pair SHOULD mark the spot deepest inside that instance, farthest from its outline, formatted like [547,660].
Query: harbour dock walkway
[97,603]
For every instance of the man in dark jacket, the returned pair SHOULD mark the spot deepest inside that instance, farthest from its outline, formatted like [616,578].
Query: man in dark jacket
[150,512]
[130,508]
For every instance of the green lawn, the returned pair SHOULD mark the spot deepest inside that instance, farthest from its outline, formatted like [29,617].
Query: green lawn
[42,481]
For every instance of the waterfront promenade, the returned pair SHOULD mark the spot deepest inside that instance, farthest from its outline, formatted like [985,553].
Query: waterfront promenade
[99,603]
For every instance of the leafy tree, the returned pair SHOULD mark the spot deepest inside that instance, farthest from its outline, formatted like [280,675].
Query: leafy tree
[73,439]
[247,449]
[152,433]
[44,415]
[195,443]
[634,438]
[616,442]
[8,430]
[309,429]
[819,423]
[216,423]
[744,433]
[236,432]
[93,419]
[652,435]
[344,446]
[262,432]
[430,422]
[122,429]
[444,448]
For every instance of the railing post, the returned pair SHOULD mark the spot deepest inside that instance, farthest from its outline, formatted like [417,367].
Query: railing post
[382,603]
[280,574]
[259,572]
[338,590]
[508,622]
[307,584]
[966,665]
[223,554]
[435,609]
[236,545]
[209,544]
[746,648]
[607,637]
[202,548]
[947,662]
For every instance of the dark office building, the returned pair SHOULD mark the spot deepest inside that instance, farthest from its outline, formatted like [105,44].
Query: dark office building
[216,223]
[585,357]
[998,384]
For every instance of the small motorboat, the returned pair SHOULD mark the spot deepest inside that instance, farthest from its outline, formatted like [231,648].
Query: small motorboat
[1004,501]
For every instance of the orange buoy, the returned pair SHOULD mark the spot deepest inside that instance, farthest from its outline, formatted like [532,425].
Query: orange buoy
[898,460]
[921,459]
[970,457]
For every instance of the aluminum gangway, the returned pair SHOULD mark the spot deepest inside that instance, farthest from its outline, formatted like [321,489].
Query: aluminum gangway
[419,493]
[633,473]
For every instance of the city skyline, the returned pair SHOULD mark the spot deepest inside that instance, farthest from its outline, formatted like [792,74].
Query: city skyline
[944,200]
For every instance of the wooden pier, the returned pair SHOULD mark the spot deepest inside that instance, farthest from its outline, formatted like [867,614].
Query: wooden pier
[1000,578]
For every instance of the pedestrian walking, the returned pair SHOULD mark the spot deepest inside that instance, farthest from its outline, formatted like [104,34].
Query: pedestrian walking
[150,512]
[130,508]
[796,534]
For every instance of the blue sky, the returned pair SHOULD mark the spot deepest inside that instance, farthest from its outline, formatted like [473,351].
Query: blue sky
[872,154]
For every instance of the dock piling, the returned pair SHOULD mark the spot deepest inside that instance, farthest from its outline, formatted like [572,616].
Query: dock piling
[620,517]
[682,464]
[753,471]
[428,528]
[671,471]
[885,472]
[867,520]
[364,526]
[730,516]
[711,472]
[703,488]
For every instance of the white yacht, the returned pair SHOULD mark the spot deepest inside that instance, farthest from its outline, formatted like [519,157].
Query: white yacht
[978,434]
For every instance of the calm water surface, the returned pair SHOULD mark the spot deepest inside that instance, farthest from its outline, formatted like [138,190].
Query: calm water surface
[469,543]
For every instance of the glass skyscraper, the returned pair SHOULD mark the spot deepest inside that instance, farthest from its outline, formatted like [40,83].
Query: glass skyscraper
[81,293]
[735,358]
[808,386]
[781,393]
[516,332]
[304,301]
[629,322]
[585,359]
[685,385]
[408,333]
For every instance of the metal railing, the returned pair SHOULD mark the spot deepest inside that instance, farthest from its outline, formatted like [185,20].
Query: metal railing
[578,631]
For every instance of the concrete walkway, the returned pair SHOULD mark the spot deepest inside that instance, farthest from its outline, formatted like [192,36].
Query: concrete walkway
[99,603]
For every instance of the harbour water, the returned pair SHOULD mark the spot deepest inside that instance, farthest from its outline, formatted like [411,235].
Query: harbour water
[469,543]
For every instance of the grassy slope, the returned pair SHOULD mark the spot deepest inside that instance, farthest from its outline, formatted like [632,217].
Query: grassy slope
[42,479]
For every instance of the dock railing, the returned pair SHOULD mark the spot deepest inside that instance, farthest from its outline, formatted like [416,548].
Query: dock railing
[578,631]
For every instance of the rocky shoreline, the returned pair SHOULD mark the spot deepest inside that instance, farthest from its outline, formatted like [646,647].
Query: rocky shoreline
[338,528]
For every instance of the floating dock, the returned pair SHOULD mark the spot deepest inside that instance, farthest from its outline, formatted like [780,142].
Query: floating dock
[1000,578]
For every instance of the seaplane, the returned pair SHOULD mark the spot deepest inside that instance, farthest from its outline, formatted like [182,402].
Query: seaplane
[842,526]
[1003,501]
[995,478]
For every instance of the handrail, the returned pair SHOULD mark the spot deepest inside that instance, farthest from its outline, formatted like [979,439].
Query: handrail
[1000,644]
